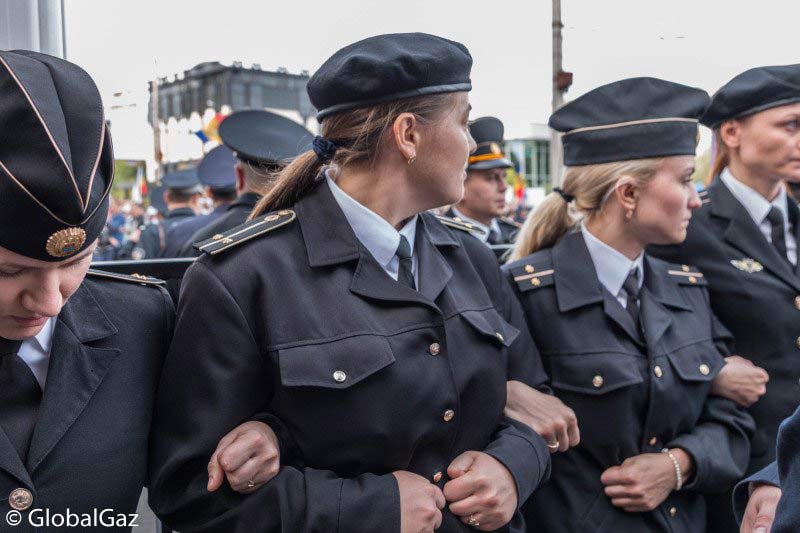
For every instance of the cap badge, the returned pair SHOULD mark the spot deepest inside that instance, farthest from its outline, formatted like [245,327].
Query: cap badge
[65,242]
[495,148]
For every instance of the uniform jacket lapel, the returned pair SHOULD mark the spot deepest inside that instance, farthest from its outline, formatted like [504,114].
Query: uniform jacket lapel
[659,299]
[743,234]
[330,240]
[577,283]
[75,371]
[11,462]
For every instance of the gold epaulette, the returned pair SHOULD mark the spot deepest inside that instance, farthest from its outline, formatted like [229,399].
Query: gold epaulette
[457,223]
[258,226]
[704,196]
[529,276]
[687,275]
[511,222]
[133,278]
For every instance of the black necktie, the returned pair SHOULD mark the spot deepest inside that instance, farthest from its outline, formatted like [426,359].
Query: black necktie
[494,236]
[405,275]
[775,218]
[20,396]
[631,287]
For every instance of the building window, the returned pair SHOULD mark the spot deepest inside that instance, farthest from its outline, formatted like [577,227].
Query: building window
[238,100]
[256,96]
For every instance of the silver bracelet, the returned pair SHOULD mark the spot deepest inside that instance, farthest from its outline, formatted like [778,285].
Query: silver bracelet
[677,465]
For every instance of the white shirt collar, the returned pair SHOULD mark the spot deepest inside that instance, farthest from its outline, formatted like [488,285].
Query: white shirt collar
[494,225]
[45,336]
[35,351]
[374,232]
[753,202]
[611,265]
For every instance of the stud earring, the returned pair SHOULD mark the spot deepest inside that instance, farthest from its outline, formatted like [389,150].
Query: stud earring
[629,214]
[412,159]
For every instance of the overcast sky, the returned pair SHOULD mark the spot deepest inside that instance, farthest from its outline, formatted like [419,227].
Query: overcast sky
[124,43]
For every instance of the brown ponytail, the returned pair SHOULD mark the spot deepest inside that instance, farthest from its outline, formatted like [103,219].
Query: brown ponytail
[358,134]
[591,186]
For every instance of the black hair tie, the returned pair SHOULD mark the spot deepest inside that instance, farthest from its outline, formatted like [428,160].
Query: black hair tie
[565,195]
[324,148]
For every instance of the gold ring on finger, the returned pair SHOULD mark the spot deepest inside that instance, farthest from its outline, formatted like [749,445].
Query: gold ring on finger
[473,522]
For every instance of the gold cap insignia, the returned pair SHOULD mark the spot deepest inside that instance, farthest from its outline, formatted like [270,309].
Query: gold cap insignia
[65,242]
[495,148]
[747,265]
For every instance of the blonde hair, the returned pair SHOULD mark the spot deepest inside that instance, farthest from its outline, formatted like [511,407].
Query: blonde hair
[358,134]
[591,186]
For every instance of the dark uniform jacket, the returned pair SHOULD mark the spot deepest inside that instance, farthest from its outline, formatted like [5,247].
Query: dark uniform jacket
[235,215]
[508,228]
[783,473]
[632,395]
[89,447]
[153,239]
[367,375]
[180,232]
[756,294]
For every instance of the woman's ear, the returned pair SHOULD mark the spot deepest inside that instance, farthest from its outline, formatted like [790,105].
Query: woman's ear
[730,133]
[405,134]
[626,191]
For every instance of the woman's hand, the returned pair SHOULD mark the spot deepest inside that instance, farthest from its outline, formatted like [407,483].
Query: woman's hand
[545,414]
[481,491]
[248,457]
[421,503]
[641,483]
[761,507]
[741,381]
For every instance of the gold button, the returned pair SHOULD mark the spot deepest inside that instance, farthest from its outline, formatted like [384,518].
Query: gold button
[457,219]
[227,240]
[437,477]
[284,212]
[535,282]
[704,369]
[685,268]
[434,348]
[657,371]
[271,218]
[339,376]
[692,279]
[673,511]
[530,270]
[500,336]
[798,342]
[20,499]
[653,441]
[218,236]
[448,415]
[597,381]
[797,302]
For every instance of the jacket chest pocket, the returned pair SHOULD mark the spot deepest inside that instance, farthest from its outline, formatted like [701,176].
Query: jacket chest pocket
[695,367]
[337,364]
[605,389]
[490,325]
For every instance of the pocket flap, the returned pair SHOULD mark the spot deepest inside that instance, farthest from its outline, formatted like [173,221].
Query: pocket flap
[336,364]
[491,324]
[697,362]
[595,373]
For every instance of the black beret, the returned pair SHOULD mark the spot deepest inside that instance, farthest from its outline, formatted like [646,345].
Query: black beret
[216,170]
[264,138]
[56,161]
[754,90]
[636,118]
[389,67]
[488,135]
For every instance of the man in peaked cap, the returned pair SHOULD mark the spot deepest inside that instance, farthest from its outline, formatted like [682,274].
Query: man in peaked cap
[262,142]
[217,175]
[484,202]
[181,194]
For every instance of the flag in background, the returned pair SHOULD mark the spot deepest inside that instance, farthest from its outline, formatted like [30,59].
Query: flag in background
[211,130]
[519,183]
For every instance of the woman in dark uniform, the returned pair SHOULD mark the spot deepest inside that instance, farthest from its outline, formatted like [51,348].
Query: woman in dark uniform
[379,337]
[744,239]
[80,350]
[629,342]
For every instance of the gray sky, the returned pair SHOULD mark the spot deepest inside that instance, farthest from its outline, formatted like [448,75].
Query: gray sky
[124,43]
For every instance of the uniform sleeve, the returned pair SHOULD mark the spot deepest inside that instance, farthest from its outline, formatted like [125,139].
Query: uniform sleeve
[741,494]
[787,517]
[215,378]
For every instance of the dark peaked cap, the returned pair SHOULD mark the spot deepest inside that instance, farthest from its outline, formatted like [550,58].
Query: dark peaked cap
[636,118]
[754,90]
[390,67]
[264,138]
[488,135]
[56,161]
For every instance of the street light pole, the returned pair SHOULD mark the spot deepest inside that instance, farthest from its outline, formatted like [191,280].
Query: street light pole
[556,161]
